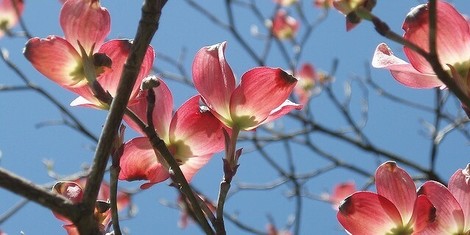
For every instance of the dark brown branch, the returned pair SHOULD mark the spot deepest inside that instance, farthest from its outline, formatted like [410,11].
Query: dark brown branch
[148,25]
[40,195]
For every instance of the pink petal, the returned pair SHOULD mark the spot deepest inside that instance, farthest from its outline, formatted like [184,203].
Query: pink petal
[453,35]
[280,111]
[424,214]
[162,112]
[459,186]
[138,162]
[260,93]
[86,98]
[449,215]
[214,79]
[193,164]
[56,59]
[368,213]
[194,131]
[118,51]
[402,71]
[85,21]
[396,185]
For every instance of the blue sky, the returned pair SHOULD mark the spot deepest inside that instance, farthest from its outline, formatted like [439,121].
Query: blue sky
[390,126]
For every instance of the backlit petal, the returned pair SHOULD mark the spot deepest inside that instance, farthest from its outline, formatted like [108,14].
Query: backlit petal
[261,91]
[424,214]
[214,79]
[193,164]
[138,162]
[397,186]
[449,215]
[118,51]
[453,35]
[459,186]
[85,21]
[56,59]
[402,71]
[280,111]
[368,213]
[86,98]
[195,131]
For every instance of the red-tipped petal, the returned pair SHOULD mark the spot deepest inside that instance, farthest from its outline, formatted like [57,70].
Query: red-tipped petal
[261,91]
[453,35]
[402,71]
[449,215]
[368,213]
[459,186]
[397,186]
[56,59]
[118,51]
[214,79]
[85,21]
[138,162]
[424,214]
[162,113]
[194,131]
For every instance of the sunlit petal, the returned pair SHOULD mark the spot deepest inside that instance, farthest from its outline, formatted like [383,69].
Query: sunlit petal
[368,213]
[459,186]
[449,214]
[261,91]
[402,71]
[213,78]
[85,21]
[453,35]
[397,186]
[195,130]
[56,59]
[138,162]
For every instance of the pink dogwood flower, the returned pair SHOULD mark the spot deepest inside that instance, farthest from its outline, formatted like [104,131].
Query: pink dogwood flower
[73,190]
[452,203]
[394,209]
[453,49]
[340,192]
[260,97]
[193,135]
[8,14]
[309,82]
[284,26]
[84,23]
[81,58]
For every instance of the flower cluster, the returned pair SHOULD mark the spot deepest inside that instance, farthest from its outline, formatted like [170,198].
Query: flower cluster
[453,49]
[84,63]
[398,208]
